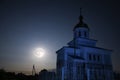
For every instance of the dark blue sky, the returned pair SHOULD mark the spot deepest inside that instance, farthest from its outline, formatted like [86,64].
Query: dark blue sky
[29,24]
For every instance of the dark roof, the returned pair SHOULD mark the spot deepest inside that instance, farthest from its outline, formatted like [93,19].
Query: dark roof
[81,23]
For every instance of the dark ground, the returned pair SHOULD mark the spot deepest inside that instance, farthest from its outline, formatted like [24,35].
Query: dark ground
[12,76]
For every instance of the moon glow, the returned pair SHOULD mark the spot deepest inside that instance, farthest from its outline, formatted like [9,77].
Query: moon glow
[39,52]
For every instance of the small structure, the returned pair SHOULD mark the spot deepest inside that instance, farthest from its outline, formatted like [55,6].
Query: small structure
[47,75]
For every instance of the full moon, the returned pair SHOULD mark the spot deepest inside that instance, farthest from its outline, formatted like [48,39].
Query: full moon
[39,52]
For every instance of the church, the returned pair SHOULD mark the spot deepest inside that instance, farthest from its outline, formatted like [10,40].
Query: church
[81,59]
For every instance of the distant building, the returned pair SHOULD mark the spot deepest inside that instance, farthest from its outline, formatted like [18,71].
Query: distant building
[81,59]
[46,75]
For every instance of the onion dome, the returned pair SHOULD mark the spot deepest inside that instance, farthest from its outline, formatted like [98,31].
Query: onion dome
[81,23]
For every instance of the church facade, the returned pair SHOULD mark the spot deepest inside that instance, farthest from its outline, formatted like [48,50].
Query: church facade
[82,59]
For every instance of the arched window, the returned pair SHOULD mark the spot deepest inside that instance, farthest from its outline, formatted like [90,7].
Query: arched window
[98,58]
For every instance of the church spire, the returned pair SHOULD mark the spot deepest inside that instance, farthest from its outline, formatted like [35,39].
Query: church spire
[81,17]
[81,23]
[81,30]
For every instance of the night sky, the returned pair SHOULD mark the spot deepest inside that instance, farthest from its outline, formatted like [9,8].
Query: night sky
[48,24]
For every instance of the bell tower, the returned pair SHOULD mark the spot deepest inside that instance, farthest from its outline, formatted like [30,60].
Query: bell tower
[81,30]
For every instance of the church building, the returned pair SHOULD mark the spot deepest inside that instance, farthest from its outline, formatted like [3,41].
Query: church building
[82,59]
